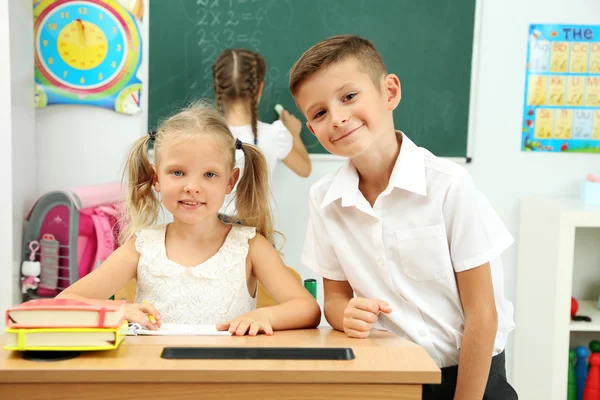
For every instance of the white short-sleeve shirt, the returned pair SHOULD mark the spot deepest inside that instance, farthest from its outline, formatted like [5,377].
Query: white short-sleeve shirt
[274,140]
[429,223]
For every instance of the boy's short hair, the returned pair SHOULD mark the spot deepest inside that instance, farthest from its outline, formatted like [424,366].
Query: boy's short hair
[334,50]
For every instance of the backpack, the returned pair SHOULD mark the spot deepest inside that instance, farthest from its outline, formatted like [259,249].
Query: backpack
[75,230]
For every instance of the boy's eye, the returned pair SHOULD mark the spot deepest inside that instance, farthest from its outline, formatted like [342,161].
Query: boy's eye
[177,173]
[210,175]
[319,114]
[349,96]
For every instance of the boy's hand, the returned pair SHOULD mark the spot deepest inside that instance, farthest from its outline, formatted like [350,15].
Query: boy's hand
[292,123]
[253,322]
[141,313]
[361,313]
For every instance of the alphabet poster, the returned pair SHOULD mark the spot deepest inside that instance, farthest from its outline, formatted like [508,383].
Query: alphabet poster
[562,89]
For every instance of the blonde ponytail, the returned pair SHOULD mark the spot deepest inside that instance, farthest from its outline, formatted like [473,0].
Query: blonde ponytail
[141,204]
[253,193]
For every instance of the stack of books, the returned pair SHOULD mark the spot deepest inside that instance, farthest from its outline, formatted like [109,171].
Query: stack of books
[66,325]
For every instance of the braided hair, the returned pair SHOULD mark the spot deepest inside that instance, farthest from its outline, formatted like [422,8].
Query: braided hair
[237,75]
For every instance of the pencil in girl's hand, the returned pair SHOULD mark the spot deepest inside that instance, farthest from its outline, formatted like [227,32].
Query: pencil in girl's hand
[152,319]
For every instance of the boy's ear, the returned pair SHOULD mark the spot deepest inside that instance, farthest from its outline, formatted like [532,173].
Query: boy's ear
[235,175]
[393,90]
[310,128]
[155,182]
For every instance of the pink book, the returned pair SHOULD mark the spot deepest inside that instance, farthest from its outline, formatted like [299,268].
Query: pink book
[67,313]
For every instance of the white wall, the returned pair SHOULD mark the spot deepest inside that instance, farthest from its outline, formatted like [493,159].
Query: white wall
[23,123]
[6,202]
[500,170]
[18,141]
[84,145]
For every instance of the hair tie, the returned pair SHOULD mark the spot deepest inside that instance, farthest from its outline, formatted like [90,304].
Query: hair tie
[238,144]
[152,135]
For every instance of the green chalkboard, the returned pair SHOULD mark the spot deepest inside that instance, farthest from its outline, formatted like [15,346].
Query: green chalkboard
[427,43]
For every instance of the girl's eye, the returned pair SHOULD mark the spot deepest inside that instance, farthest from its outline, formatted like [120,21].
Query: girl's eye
[349,96]
[177,173]
[210,175]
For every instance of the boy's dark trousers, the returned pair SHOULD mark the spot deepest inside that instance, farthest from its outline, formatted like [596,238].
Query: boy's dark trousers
[497,387]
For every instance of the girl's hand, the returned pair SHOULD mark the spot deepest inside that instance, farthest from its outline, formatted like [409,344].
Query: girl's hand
[292,123]
[141,313]
[253,323]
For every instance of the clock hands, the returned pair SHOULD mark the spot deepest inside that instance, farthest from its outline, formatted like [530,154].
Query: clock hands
[81,31]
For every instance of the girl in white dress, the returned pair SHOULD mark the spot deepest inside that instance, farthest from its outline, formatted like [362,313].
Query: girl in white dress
[238,82]
[198,269]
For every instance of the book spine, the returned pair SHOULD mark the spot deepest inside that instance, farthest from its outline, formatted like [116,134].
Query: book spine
[101,317]
[21,340]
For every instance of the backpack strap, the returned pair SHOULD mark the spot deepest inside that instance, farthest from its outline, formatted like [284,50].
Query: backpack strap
[107,243]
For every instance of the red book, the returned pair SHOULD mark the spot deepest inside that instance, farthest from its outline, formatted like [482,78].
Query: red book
[67,313]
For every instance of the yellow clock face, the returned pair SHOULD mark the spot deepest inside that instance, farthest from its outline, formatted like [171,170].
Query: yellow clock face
[82,45]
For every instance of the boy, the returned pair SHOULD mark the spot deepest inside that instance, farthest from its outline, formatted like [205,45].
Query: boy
[405,231]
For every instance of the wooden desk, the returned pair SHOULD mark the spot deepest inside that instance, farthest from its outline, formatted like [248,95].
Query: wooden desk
[385,367]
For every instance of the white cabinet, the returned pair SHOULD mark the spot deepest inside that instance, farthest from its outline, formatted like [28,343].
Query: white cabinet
[547,237]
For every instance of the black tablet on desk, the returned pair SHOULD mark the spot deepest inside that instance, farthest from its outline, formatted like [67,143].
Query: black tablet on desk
[258,353]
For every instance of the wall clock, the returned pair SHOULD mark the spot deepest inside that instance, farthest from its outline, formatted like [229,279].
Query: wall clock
[87,52]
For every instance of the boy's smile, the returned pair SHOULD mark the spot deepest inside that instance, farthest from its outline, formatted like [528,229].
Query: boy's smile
[347,134]
[344,108]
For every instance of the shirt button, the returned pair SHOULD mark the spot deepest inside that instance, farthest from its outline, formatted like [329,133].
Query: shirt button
[423,333]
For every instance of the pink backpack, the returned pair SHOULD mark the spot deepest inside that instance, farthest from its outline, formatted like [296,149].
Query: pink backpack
[75,230]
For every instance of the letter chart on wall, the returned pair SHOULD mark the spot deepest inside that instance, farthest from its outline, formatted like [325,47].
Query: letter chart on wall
[562,89]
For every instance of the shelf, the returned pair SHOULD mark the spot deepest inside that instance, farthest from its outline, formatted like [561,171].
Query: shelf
[573,211]
[574,204]
[577,214]
[587,308]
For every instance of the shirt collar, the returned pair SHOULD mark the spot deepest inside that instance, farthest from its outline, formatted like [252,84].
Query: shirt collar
[408,174]
[344,186]
[409,171]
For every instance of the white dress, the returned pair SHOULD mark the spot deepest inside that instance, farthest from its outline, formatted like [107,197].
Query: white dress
[209,293]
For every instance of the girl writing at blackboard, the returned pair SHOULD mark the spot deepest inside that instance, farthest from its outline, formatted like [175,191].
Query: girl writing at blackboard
[238,81]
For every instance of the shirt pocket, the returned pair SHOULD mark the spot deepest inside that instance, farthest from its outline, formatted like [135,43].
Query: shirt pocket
[424,253]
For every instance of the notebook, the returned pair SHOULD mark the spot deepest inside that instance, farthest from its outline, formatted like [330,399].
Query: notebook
[64,339]
[67,313]
[177,330]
